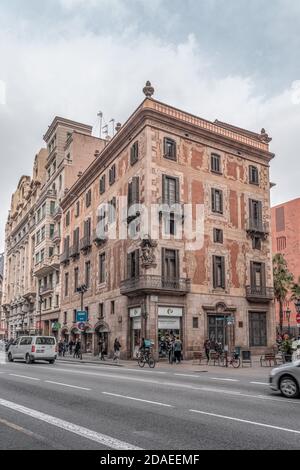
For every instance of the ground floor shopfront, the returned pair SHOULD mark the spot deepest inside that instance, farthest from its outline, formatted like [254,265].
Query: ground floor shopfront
[231,321]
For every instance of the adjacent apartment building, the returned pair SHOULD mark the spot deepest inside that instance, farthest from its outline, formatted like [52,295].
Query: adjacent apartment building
[286,240]
[3,324]
[180,173]
[31,298]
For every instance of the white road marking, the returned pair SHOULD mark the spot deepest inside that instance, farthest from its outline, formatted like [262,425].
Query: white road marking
[259,383]
[223,379]
[186,375]
[66,385]
[246,421]
[24,377]
[138,399]
[103,367]
[102,439]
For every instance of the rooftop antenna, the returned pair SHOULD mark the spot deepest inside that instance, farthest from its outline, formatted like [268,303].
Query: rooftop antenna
[113,125]
[100,116]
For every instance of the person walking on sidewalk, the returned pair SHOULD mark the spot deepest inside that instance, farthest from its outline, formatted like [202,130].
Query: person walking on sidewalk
[177,350]
[77,350]
[117,347]
[101,350]
[207,348]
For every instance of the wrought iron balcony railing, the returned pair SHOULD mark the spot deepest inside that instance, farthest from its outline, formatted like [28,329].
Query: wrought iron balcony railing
[64,257]
[153,283]
[259,293]
[85,243]
[257,226]
[74,251]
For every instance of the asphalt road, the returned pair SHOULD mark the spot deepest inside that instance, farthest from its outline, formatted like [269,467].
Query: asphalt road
[74,406]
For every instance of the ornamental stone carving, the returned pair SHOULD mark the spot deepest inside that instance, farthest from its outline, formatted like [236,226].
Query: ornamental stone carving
[148,256]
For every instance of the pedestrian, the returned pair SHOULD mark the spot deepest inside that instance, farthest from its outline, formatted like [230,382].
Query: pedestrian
[117,347]
[77,350]
[171,351]
[177,350]
[207,348]
[71,344]
[101,350]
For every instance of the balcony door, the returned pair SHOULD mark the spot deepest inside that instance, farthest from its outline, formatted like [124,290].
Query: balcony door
[258,278]
[170,267]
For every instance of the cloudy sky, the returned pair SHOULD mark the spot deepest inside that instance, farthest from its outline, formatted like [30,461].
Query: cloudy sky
[234,60]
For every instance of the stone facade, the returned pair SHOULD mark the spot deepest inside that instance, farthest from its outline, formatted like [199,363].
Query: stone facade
[157,286]
[286,240]
[32,281]
[3,323]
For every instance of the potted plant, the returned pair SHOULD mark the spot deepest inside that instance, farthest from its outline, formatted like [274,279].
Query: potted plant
[286,348]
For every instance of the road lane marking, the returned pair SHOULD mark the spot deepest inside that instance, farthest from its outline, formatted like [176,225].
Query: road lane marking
[67,385]
[255,423]
[24,377]
[186,375]
[138,399]
[223,379]
[259,383]
[104,367]
[173,385]
[81,431]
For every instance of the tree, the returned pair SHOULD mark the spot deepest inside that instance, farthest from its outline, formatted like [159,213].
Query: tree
[295,289]
[283,280]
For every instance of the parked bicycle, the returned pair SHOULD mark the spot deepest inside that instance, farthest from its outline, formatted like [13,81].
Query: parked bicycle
[146,357]
[233,360]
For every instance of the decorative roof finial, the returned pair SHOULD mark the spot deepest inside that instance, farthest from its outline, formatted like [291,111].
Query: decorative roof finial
[148,90]
[264,137]
[118,126]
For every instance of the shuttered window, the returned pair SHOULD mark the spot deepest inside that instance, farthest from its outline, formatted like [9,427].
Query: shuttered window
[218,272]
[217,201]
[215,163]
[133,264]
[112,175]
[255,213]
[102,184]
[253,175]
[170,148]
[134,191]
[134,153]
[170,190]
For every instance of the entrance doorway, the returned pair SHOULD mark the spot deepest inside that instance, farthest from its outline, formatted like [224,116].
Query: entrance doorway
[101,335]
[217,329]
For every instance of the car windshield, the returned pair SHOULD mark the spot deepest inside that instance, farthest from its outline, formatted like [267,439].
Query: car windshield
[45,340]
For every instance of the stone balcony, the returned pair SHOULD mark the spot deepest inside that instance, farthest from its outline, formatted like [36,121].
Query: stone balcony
[85,243]
[257,228]
[152,284]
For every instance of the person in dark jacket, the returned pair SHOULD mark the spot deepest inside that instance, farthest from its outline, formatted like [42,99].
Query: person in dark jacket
[117,347]
[77,350]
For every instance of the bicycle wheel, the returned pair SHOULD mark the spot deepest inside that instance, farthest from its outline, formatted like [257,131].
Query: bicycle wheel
[236,362]
[151,362]
[141,362]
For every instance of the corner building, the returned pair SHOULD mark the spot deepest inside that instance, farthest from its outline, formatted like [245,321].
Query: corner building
[146,286]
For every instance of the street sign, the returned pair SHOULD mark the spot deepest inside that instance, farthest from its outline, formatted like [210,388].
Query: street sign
[298,318]
[81,316]
[81,326]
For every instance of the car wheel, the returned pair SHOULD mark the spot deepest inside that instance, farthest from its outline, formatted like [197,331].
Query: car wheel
[289,387]
[10,358]
[28,359]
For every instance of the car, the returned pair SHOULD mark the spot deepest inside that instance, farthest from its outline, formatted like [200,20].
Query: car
[286,379]
[33,348]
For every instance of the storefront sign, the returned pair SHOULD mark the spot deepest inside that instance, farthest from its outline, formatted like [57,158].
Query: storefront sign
[135,312]
[136,323]
[166,323]
[170,311]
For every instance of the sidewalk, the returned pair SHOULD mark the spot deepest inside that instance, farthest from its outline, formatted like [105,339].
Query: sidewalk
[188,365]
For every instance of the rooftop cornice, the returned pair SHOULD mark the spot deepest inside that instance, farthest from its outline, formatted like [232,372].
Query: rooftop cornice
[165,114]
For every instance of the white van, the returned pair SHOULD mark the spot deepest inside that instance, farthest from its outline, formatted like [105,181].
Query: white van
[33,348]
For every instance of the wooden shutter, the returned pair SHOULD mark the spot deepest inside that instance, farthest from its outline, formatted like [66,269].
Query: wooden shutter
[135,189]
[177,267]
[223,272]
[213,199]
[221,201]
[164,189]
[214,263]
[129,274]
[163,261]
[137,262]
[263,274]
[177,191]
[129,195]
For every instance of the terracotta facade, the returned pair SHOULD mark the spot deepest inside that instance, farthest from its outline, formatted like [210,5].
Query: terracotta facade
[286,240]
[168,288]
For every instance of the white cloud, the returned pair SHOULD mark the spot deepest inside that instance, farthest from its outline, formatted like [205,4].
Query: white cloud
[75,76]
